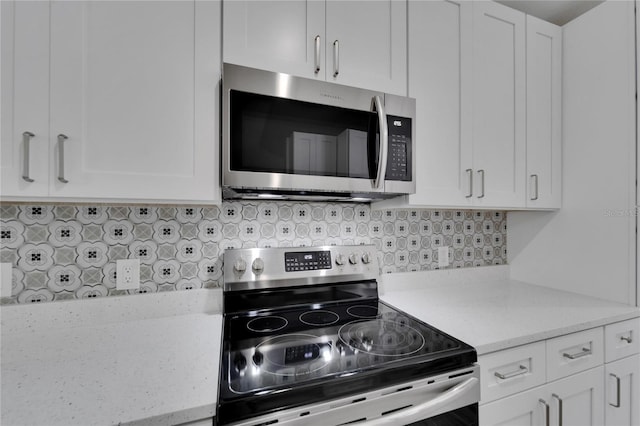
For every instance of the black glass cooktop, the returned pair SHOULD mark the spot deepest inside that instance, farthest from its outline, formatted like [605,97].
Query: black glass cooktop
[274,357]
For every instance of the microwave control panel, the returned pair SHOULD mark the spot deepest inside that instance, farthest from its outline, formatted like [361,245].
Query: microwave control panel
[399,155]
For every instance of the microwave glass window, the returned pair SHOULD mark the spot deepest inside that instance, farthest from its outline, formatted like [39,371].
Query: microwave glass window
[276,135]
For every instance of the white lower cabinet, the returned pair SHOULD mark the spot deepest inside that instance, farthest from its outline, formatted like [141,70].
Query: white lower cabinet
[575,400]
[591,377]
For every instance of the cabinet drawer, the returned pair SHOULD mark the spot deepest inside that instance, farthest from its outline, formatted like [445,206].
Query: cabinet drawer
[622,339]
[575,352]
[513,370]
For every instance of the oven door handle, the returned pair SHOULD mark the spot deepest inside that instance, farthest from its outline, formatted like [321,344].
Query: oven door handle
[426,409]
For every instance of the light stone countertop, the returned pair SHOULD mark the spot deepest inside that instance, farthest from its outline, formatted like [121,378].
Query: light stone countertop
[491,312]
[148,359]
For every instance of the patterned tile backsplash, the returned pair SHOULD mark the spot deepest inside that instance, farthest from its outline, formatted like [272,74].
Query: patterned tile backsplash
[64,252]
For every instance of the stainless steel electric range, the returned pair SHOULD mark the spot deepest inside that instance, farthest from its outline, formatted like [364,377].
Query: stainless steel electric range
[307,341]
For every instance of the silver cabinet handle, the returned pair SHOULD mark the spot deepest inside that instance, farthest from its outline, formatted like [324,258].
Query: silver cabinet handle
[336,58]
[559,408]
[534,179]
[384,142]
[481,173]
[626,339]
[546,411]
[26,139]
[317,54]
[470,183]
[519,372]
[617,404]
[61,139]
[584,352]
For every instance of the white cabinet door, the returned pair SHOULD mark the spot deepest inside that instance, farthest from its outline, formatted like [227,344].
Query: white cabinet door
[366,44]
[276,36]
[622,381]
[25,98]
[527,408]
[544,115]
[498,105]
[578,400]
[439,74]
[134,89]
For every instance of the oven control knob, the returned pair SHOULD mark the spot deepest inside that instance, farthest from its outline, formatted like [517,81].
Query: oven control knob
[258,358]
[258,265]
[366,259]
[340,260]
[239,362]
[240,266]
[353,258]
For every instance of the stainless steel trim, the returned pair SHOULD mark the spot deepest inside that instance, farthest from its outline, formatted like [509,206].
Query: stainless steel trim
[547,412]
[534,179]
[481,173]
[617,404]
[61,139]
[285,86]
[336,58]
[421,399]
[584,352]
[317,54]
[560,414]
[384,142]
[26,138]
[470,171]
[521,370]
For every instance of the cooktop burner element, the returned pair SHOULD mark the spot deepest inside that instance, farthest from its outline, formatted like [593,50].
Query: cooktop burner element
[295,337]
[268,324]
[319,317]
[363,311]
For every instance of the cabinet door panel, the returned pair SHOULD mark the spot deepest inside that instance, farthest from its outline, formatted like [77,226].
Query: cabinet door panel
[544,57]
[133,89]
[523,409]
[499,100]
[622,406]
[582,397]
[275,35]
[372,38]
[439,56]
[25,97]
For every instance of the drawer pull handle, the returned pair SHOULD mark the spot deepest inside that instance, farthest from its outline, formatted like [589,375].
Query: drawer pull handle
[617,404]
[522,370]
[546,411]
[559,408]
[626,339]
[585,352]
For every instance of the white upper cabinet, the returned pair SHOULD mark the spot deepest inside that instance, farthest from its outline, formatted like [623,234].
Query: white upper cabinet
[544,114]
[498,127]
[132,92]
[356,43]
[439,72]
[24,163]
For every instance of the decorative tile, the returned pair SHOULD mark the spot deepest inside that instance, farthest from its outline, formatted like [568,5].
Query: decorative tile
[34,257]
[36,234]
[118,213]
[31,215]
[8,212]
[65,233]
[92,214]
[92,254]
[64,255]
[90,292]
[64,278]
[118,232]
[143,215]
[12,234]
[189,231]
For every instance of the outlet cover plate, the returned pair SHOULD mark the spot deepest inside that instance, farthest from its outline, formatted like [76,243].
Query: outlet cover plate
[6,279]
[443,257]
[128,274]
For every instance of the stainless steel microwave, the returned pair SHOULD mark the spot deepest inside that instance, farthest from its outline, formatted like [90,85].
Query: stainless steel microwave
[287,137]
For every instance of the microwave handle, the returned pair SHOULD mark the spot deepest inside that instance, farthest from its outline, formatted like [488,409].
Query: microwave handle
[384,142]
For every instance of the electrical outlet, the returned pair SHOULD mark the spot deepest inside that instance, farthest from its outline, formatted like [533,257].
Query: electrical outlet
[6,279]
[128,274]
[443,256]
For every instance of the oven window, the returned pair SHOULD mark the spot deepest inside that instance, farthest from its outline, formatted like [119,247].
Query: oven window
[465,416]
[276,135]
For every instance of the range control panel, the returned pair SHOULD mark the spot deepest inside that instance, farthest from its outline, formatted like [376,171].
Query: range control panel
[290,266]
[307,260]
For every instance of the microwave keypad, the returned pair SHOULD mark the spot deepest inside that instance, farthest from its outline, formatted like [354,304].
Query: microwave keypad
[398,157]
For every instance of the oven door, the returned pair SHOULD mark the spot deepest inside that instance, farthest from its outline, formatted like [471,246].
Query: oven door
[285,133]
[446,399]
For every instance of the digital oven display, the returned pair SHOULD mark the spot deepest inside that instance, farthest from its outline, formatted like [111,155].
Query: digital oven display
[307,261]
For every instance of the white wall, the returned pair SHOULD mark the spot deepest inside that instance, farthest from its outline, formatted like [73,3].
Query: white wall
[589,245]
